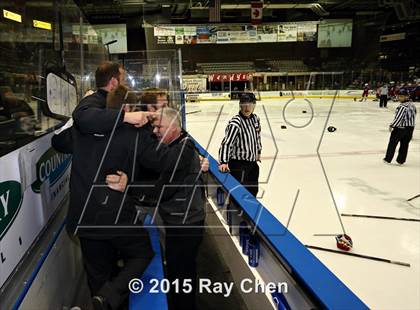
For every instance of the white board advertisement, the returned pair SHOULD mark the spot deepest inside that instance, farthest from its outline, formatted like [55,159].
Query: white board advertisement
[194,84]
[33,183]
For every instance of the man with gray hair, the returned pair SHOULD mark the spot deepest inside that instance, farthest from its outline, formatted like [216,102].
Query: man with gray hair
[180,199]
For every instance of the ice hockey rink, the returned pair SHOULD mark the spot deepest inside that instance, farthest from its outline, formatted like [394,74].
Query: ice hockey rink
[295,186]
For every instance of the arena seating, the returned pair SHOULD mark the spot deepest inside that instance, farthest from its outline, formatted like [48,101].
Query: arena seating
[288,66]
[206,68]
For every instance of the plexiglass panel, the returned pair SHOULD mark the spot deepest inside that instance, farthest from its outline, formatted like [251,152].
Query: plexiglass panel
[154,69]
[42,73]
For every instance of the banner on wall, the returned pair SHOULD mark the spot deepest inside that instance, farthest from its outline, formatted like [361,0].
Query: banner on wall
[166,40]
[234,77]
[267,33]
[190,31]
[206,34]
[228,34]
[287,33]
[190,40]
[306,31]
[179,31]
[249,36]
[192,85]
[179,39]
[163,31]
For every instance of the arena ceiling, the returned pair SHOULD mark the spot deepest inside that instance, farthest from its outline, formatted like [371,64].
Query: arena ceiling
[197,12]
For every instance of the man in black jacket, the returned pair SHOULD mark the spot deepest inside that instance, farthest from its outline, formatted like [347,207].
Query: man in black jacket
[104,221]
[181,205]
[180,201]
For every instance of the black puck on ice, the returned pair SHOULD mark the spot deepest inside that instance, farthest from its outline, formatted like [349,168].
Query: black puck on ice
[331,129]
[304,111]
[283,127]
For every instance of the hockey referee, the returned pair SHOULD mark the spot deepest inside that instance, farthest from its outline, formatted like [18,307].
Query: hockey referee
[401,128]
[241,146]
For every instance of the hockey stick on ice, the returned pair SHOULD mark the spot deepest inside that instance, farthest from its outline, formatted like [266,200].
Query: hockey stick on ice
[359,255]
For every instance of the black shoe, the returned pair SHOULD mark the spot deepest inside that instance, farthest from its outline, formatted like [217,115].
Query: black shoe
[100,303]
[385,161]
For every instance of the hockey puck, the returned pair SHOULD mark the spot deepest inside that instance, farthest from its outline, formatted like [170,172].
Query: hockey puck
[331,129]
[304,111]
[283,127]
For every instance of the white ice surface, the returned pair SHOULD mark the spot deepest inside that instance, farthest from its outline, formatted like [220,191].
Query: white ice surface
[360,182]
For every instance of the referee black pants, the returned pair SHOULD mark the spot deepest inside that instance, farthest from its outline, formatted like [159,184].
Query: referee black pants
[100,258]
[402,136]
[247,173]
[383,100]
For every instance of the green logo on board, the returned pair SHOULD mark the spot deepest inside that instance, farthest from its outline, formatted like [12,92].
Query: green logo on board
[10,202]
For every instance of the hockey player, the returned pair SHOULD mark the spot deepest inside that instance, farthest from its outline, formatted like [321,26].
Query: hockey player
[365,92]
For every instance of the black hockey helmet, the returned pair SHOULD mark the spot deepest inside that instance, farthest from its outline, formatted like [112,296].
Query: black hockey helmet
[247,98]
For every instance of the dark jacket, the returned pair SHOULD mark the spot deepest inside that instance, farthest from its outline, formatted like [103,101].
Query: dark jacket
[179,192]
[96,155]
[90,116]
[146,174]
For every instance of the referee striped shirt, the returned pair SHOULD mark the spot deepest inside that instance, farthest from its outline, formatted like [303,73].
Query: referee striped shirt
[405,115]
[242,139]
